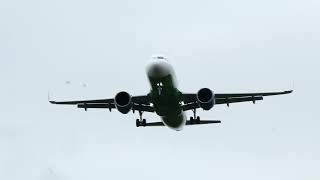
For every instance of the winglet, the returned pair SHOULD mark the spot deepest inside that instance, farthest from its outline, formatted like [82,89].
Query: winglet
[52,102]
[293,86]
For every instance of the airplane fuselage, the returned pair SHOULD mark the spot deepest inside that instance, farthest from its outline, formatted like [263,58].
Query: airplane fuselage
[165,96]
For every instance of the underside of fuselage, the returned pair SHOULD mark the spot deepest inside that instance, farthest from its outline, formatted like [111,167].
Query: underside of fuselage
[165,96]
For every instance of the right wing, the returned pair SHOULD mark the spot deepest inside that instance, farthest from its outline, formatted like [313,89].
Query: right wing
[98,101]
[139,103]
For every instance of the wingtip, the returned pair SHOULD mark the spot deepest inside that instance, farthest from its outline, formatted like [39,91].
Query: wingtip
[290,91]
[50,101]
[49,96]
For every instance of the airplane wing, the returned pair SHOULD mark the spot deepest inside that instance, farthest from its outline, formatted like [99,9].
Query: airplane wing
[190,100]
[98,101]
[140,103]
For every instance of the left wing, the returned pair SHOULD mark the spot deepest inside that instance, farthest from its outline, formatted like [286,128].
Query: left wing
[190,100]
[139,103]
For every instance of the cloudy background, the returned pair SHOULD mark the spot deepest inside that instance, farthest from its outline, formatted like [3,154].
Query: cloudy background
[101,48]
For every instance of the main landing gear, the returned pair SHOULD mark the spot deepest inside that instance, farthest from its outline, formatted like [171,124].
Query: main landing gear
[195,119]
[141,121]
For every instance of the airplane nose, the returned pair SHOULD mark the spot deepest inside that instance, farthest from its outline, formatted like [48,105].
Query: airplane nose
[158,68]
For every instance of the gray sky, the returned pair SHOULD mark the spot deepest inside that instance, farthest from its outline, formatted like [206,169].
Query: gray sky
[239,46]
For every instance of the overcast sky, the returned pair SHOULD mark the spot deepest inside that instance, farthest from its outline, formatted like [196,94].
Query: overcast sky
[226,45]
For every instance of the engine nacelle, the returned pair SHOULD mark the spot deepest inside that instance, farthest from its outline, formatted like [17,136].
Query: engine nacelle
[205,98]
[123,102]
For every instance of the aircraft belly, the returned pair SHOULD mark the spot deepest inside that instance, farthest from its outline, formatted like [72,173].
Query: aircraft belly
[176,122]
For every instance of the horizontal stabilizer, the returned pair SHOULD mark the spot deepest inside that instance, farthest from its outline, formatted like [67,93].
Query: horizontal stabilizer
[155,124]
[203,122]
[188,123]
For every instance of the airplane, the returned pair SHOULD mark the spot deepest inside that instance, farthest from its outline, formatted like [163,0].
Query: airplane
[167,101]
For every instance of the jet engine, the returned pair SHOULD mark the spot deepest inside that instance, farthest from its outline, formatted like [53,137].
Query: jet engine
[205,98]
[123,102]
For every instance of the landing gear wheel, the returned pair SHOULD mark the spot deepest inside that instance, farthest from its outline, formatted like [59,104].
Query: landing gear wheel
[198,120]
[191,120]
[195,119]
[144,122]
[140,121]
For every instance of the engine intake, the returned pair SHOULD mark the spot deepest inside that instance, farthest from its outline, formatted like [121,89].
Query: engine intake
[123,102]
[205,98]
